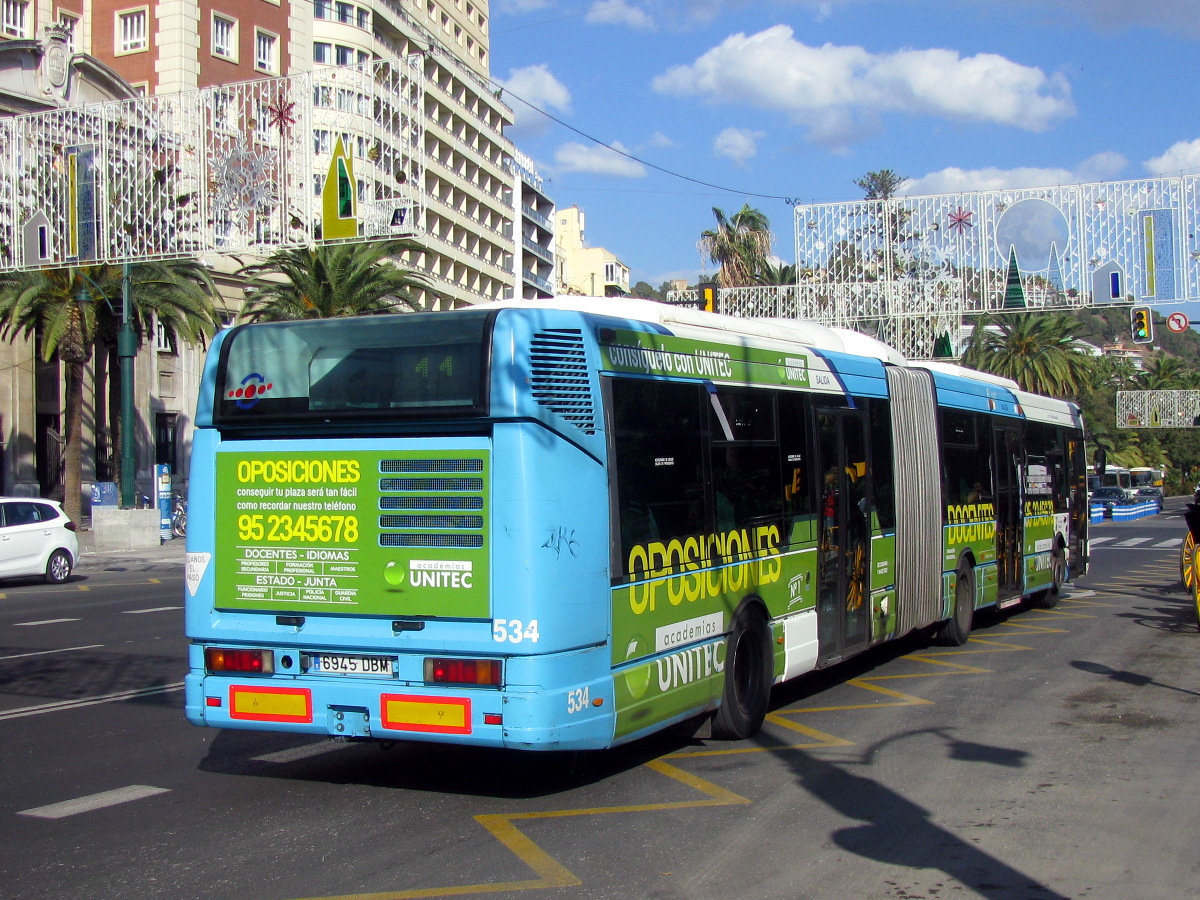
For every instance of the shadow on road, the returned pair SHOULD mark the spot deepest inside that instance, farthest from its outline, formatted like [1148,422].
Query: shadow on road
[899,832]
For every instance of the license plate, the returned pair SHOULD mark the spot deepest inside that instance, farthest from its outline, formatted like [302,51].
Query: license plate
[331,664]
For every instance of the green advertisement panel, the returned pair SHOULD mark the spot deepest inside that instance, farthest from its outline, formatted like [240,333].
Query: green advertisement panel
[385,533]
[642,353]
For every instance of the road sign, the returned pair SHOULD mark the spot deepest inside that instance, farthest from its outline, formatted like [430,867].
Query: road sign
[1177,322]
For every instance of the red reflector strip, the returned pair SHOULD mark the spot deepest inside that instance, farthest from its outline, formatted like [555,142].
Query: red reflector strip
[268,704]
[491,719]
[430,715]
[212,701]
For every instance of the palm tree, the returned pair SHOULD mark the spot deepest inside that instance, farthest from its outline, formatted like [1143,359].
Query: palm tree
[176,297]
[738,245]
[68,309]
[332,280]
[1036,351]
[784,273]
[1162,373]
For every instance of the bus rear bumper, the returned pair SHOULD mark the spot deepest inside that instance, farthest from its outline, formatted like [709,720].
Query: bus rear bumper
[529,719]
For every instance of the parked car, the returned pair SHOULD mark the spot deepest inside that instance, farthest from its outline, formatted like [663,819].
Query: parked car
[36,538]
[1108,497]
[1149,495]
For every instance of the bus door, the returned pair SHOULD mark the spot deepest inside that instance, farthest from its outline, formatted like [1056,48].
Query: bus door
[1009,521]
[844,545]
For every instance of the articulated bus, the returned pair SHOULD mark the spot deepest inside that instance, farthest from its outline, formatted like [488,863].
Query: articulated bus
[568,524]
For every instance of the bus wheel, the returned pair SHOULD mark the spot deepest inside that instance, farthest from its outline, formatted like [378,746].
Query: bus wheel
[957,629]
[1048,599]
[748,674]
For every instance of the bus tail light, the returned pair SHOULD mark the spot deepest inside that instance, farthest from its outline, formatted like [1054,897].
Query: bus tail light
[463,671]
[252,662]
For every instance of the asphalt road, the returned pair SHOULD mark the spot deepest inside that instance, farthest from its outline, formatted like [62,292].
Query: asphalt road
[1049,758]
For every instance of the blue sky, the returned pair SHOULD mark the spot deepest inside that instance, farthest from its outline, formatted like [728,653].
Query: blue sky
[774,100]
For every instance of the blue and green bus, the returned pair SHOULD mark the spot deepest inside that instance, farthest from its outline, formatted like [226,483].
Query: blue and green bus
[568,524]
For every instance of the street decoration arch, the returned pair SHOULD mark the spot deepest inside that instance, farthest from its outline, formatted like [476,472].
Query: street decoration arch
[232,168]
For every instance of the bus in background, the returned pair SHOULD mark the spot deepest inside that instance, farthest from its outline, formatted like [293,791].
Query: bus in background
[1114,476]
[568,524]
[1144,476]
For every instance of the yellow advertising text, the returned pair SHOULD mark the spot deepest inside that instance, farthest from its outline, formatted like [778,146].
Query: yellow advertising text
[753,552]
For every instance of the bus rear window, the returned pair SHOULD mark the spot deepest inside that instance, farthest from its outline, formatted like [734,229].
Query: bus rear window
[351,369]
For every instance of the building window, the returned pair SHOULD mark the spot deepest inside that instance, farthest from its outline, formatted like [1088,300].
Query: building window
[364,19]
[164,338]
[321,53]
[322,9]
[224,37]
[266,52]
[71,24]
[345,55]
[345,13]
[16,18]
[133,31]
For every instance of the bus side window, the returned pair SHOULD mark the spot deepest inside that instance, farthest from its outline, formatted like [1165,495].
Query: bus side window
[657,452]
[799,492]
[745,461]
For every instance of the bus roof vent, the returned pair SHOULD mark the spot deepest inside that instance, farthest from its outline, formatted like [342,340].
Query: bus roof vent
[559,376]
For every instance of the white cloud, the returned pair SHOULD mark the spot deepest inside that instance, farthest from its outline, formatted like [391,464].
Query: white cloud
[597,160]
[530,89]
[850,86]
[1101,167]
[1183,156]
[737,144]
[658,139]
[618,12]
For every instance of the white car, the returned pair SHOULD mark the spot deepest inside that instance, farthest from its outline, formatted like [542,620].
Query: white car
[36,538]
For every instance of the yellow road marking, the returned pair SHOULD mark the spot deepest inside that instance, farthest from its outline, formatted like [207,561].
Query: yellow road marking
[551,873]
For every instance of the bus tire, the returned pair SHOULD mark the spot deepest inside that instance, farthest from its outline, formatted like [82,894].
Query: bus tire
[749,670]
[956,630]
[1048,599]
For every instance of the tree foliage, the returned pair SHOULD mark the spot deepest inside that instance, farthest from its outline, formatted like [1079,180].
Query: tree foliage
[70,309]
[881,185]
[739,245]
[332,280]
[1036,351]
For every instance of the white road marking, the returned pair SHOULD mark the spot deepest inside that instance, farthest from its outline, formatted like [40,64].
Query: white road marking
[1174,542]
[93,802]
[42,622]
[1099,540]
[1132,543]
[304,751]
[138,612]
[89,701]
[44,652]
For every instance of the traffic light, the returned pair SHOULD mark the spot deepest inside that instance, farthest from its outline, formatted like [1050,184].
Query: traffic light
[1141,325]
[708,295]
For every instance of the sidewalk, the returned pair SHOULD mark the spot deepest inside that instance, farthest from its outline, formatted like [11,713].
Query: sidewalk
[168,555]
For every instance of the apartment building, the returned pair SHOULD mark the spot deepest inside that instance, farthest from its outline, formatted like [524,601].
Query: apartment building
[591,271]
[535,250]
[483,219]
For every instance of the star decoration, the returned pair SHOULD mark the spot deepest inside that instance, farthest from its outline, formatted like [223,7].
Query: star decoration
[960,220]
[281,114]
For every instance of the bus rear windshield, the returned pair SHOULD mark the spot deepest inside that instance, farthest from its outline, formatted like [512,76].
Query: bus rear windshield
[354,369]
